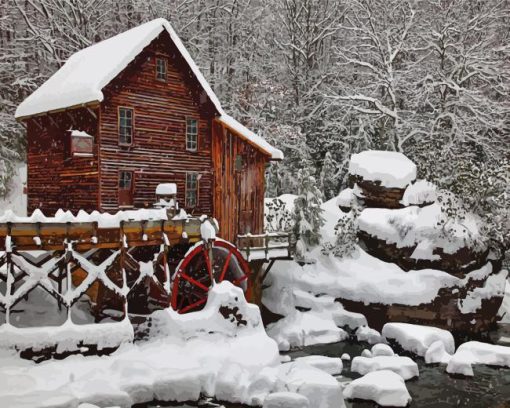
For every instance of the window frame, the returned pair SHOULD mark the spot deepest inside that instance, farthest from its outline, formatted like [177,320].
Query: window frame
[165,65]
[125,171]
[186,190]
[119,109]
[190,118]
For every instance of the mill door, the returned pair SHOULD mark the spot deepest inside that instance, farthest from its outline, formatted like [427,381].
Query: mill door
[125,188]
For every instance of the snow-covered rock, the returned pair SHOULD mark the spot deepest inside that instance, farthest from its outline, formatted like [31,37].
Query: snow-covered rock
[419,193]
[436,353]
[407,227]
[417,339]
[304,329]
[366,353]
[392,169]
[382,349]
[286,400]
[68,337]
[475,352]
[371,336]
[321,389]
[345,357]
[403,366]
[331,365]
[385,387]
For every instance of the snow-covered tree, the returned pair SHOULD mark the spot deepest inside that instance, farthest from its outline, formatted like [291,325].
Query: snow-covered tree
[328,177]
[308,218]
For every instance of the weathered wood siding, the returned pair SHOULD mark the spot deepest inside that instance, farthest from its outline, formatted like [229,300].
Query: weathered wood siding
[158,153]
[239,187]
[55,180]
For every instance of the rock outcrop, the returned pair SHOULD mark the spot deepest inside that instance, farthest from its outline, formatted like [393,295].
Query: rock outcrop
[403,222]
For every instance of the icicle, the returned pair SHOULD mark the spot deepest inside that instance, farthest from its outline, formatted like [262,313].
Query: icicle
[8,244]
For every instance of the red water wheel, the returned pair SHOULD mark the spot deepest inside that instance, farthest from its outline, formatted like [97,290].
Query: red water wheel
[192,278]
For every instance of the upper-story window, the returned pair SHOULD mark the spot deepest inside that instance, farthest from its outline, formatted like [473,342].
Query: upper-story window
[125,126]
[192,135]
[161,69]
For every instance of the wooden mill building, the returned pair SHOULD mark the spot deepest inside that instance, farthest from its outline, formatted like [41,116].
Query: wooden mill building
[134,111]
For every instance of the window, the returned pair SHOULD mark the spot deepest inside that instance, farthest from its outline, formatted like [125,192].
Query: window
[161,69]
[191,135]
[80,144]
[125,126]
[125,180]
[191,190]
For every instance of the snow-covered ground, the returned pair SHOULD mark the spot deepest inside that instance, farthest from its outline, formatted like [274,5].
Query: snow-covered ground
[202,353]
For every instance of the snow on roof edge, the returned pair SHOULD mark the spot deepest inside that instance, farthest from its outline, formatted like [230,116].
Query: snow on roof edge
[250,136]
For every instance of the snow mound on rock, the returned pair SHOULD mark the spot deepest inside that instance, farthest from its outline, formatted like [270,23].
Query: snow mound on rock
[417,339]
[392,169]
[371,336]
[304,329]
[321,389]
[382,349]
[384,387]
[286,400]
[475,352]
[403,366]
[419,193]
[436,353]
[407,227]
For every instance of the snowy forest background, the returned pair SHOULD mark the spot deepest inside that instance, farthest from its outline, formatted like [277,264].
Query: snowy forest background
[321,79]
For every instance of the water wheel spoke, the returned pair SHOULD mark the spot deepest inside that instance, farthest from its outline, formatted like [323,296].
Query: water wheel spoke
[225,267]
[207,262]
[194,282]
[193,305]
[239,280]
[199,269]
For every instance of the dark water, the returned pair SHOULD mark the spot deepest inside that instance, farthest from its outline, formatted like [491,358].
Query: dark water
[490,387]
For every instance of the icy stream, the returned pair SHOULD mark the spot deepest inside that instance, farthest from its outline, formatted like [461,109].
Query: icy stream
[490,387]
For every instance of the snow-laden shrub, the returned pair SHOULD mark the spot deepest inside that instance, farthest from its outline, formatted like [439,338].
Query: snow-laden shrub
[277,216]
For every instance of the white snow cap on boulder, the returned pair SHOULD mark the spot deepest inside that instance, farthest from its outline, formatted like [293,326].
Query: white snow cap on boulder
[82,78]
[391,169]
[417,339]
[384,387]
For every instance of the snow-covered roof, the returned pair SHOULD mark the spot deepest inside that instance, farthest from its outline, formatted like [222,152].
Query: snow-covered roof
[251,137]
[392,169]
[82,78]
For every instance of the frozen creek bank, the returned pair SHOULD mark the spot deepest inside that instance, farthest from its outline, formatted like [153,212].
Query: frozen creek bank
[221,351]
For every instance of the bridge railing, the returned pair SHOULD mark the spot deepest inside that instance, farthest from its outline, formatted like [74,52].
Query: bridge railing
[267,246]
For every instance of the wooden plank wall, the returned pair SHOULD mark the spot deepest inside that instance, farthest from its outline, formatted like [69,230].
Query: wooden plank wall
[239,193]
[158,153]
[53,180]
